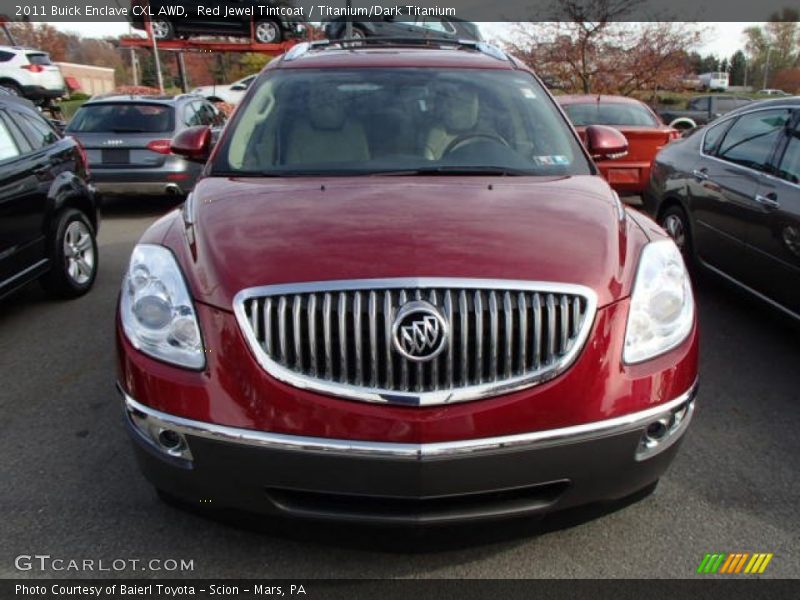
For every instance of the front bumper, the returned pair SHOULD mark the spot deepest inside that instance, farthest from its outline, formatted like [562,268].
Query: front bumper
[403,483]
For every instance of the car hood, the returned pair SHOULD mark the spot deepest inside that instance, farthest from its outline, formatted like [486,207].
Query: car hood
[241,233]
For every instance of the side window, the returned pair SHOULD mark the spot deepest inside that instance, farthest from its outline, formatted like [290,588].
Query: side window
[751,139]
[6,56]
[438,25]
[699,103]
[726,104]
[8,148]
[36,129]
[713,136]
[190,114]
[789,169]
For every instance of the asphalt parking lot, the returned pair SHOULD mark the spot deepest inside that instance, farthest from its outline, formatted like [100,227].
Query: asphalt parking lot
[71,488]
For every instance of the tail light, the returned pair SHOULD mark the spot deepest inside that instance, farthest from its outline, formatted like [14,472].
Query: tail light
[160,146]
[33,68]
[84,158]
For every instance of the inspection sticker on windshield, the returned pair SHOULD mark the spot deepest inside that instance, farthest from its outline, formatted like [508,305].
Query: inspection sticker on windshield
[528,92]
[555,159]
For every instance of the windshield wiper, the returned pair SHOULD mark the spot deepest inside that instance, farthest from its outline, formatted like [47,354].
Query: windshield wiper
[129,130]
[455,170]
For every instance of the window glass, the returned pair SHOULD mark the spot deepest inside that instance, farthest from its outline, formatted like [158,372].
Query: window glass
[713,135]
[123,117]
[610,113]
[750,140]
[362,121]
[37,130]
[437,25]
[699,103]
[789,168]
[8,149]
[727,104]
[192,115]
[6,56]
[38,58]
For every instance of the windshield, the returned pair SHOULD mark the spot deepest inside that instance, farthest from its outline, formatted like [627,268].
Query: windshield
[120,117]
[399,121]
[610,114]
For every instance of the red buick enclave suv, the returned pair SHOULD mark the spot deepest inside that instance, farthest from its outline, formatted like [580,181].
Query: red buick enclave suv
[402,293]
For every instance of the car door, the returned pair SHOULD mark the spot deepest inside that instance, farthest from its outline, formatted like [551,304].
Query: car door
[724,185]
[22,205]
[773,237]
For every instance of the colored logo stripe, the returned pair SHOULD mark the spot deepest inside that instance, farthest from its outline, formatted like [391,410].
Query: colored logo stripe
[733,563]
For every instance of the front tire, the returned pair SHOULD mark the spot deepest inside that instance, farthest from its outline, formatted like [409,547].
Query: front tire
[267,32]
[676,223]
[73,254]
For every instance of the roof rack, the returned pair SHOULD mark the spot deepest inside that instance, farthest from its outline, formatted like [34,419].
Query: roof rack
[397,42]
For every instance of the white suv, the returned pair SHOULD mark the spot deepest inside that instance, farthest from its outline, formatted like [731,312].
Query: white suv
[29,73]
[232,94]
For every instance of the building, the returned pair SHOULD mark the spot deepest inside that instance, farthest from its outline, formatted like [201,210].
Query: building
[91,80]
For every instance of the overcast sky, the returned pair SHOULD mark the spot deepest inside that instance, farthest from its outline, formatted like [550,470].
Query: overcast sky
[723,40]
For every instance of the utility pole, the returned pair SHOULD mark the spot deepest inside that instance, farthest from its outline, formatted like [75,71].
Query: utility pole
[766,68]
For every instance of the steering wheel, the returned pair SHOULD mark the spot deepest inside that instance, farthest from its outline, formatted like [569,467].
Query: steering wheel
[466,138]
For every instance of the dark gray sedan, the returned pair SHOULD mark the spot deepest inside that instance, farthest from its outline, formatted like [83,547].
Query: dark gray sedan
[729,194]
[127,142]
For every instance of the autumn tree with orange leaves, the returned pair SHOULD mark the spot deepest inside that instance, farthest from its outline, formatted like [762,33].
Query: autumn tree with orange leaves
[593,50]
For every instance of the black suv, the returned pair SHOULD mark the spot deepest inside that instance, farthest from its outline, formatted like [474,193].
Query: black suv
[240,18]
[48,212]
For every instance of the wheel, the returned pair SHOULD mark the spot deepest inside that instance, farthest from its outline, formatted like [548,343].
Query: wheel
[267,32]
[358,33]
[12,88]
[73,252]
[676,224]
[162,30]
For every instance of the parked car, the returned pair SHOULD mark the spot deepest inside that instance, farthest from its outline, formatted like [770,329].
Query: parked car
[772,92]
[232,93]
[29,73]
[248,23]
[402,293]
[48,213]
[644,130]
[127,141]
[404,26]
[729,196]
[701,110]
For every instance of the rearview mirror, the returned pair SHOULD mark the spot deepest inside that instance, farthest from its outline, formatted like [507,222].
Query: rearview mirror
[604,142]
[193,143]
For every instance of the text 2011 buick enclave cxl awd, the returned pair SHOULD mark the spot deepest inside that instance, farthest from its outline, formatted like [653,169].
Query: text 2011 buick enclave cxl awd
[401,293]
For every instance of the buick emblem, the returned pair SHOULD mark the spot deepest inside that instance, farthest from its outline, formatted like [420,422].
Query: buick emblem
[420,331]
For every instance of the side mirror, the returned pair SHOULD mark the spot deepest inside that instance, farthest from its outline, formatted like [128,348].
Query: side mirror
[193,143]
[604,142]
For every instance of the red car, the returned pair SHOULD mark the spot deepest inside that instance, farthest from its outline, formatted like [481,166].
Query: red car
[401,293]
[644,130]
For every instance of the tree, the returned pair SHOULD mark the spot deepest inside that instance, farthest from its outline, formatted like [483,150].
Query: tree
[738,68]
[606,54]
[774,47]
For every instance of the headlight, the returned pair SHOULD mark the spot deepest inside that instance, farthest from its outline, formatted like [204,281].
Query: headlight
[157,312]
[662,306]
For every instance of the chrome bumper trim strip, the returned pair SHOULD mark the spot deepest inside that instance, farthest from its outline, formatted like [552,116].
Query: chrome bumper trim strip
[522,441]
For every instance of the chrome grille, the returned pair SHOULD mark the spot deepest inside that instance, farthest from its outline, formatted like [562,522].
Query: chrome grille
[335,337]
